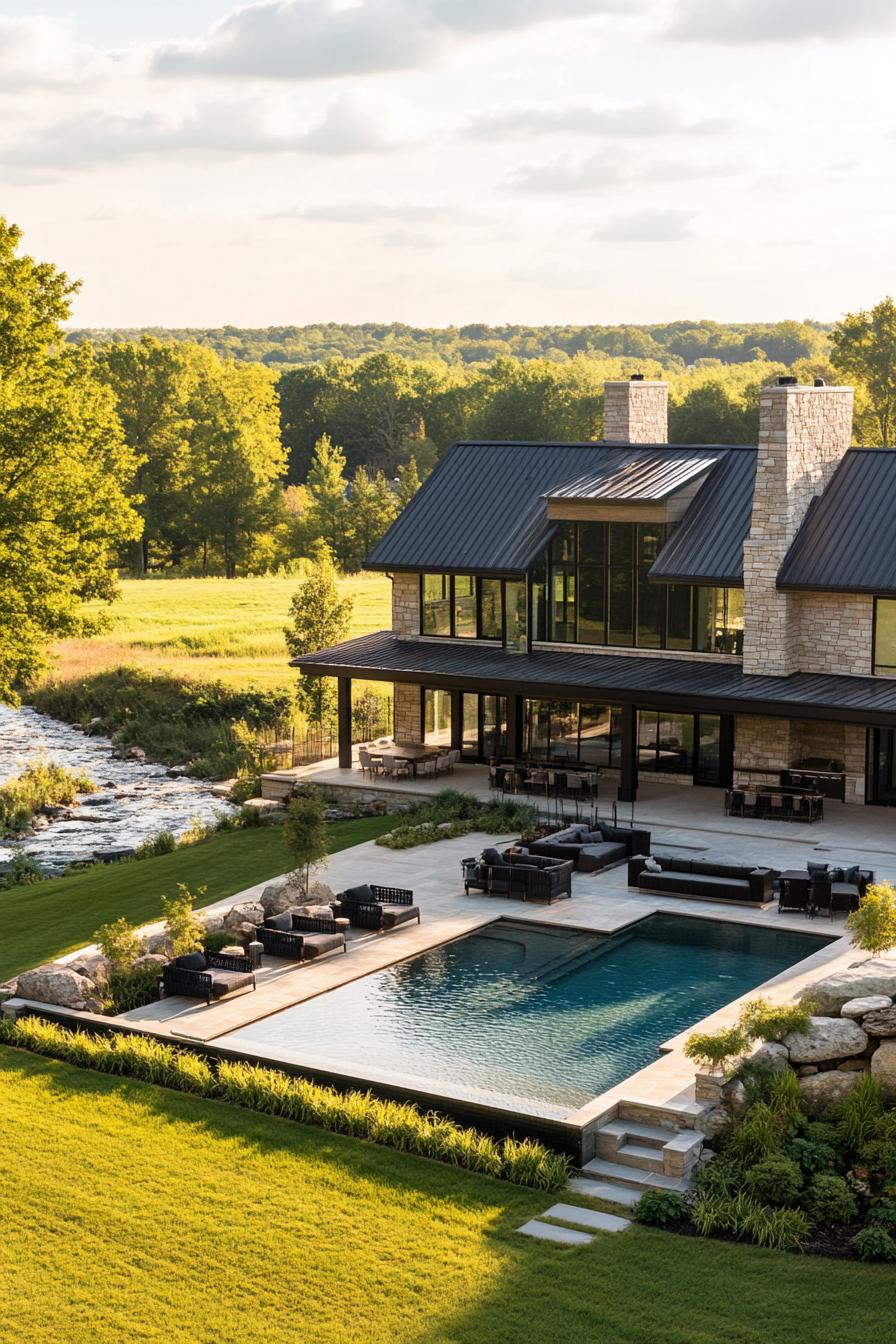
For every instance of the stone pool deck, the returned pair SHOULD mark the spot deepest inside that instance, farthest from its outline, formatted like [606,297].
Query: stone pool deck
[601,902]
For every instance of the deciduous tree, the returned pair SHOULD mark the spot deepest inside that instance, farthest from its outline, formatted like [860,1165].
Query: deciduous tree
[864,348]
[318,617]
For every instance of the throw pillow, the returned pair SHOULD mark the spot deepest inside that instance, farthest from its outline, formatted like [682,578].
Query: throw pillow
[192,961]
[652,866]
[359,895]
[817,869]
[853,875]
[314,911]
[489,856]
[836,875]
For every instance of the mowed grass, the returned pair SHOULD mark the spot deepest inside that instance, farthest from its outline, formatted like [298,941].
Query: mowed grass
[48,919]
[215,629]
[134,1213]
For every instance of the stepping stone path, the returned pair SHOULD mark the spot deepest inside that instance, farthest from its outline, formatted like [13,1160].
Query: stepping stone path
[626,1195]
[592,1219]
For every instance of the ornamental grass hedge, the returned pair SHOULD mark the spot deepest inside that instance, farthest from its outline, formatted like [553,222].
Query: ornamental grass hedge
[394,1124]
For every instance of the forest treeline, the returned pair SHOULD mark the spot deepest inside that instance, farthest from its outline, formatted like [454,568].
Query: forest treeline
[675,345]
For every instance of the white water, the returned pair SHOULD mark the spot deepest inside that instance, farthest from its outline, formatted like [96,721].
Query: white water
[134,801]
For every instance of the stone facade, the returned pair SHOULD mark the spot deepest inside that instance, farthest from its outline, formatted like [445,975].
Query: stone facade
[406,605]
[636,412]
[803,434]
[835,632]
[408,714]
[762,744]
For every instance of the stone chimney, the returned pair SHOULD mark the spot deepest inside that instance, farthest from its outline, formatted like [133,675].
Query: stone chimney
[803,434]
[636,411]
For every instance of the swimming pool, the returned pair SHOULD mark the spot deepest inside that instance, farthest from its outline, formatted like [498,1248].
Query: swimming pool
[537,1016]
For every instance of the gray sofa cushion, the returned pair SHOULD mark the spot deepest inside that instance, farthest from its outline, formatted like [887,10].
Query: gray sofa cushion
[316,944]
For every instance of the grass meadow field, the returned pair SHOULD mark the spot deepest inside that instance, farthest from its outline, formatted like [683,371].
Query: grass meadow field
[228,630]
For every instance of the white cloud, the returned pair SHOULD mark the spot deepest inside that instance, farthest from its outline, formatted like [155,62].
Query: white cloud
[777,21]
[646,226]
[214,128]
[318,39]
[609,168]
[42,52]
[366,212]
[638,120]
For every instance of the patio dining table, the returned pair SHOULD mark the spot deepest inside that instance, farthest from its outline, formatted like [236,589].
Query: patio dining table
[411,754]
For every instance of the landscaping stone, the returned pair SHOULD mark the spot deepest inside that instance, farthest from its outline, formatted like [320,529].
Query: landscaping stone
[592,1219]
[547,1232]
[625,1195]
[94,967]
[880,1023]
[871,1003]
[828,1038]
[150,959]
[277,897]
[806,1070]
[877,976]
[853,1065]
[319,893]
[253,914]
[60,986]
[211,921]
[883,1067]
[773,1055]
[824,1090]
[156,942]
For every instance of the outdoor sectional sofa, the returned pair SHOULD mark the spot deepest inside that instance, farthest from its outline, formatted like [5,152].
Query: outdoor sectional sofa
[592,849]
[519,874]
[706,879]
[375,907]
[300,937]
[207,975]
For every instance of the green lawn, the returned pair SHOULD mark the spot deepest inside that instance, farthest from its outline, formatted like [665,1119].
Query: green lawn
[132,1213]
[218,629]
[51,918]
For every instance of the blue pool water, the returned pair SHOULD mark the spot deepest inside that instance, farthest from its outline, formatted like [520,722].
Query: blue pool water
[545,1016]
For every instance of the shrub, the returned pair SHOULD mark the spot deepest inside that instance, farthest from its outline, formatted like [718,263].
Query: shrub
[129,988]
[41,784]
[400,1125]
[119,942]
[182,929]
[213,942]
[878,1156]
[883,1215]
[452,813]
[715,1049]
[721,1176]
[873,925]
[661,1208]
[774,1180]
[162,843]
[23,872]
[829,1200]
[784,1094]
[860,1112]
[811,1157]
[761,1132]
[781,1229]
[874,1244]
[762,1020]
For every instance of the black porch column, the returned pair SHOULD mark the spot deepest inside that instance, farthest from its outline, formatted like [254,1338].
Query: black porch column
[344,712]
[457,720]
[514,726]
[628,775]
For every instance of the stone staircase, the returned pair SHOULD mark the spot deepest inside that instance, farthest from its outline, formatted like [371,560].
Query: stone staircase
[642,1148]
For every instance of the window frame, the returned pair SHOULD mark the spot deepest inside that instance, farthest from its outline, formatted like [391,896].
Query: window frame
[877,669]
[451,599]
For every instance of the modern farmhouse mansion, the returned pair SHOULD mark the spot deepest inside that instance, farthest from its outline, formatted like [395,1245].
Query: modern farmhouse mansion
[717,615]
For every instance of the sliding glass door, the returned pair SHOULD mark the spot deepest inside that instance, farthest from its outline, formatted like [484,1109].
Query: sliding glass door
[882,766]
[484,731]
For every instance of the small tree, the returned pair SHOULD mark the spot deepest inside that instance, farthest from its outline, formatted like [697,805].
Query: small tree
[762,1020]
[119,943]
[715,1049]
[305,832]
[182,928]
[318,617]
[873,925]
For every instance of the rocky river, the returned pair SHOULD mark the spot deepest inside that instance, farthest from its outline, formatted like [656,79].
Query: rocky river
[134,800]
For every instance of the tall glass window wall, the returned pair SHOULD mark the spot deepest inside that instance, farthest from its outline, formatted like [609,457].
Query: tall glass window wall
[885,636]
[464,606]
[591,586]
[565,730]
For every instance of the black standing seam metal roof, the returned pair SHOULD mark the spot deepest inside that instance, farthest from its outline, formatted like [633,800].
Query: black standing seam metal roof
[483,508]
[661,682]
[707,546]
[846,542]
[640,476]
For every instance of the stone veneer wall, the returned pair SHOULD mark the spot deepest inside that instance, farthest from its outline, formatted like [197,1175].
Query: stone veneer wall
[775,744]
[408,721]
[803,434]
[406,605]
[835,632]
[636,412]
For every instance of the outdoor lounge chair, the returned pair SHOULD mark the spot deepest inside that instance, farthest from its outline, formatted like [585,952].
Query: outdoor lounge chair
[300,937]
[207,975]
[380,908]
[794,895]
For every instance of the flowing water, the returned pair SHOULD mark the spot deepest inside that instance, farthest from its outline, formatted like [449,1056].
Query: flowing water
[134,801]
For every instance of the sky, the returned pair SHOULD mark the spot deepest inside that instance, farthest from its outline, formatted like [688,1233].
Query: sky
[198,163]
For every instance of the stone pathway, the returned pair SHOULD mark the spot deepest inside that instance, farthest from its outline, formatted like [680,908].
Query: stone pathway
[591,1219]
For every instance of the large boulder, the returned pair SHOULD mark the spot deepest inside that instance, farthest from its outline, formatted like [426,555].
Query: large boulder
[61,986]
[871,1003]
[279,896]
[150,959]
[319,893]
[154,942]
[94,967]
[211,921]
[827,1038]
[877,976]
[825,1091]
[883,1068]
[773,1055]
[882,1022]
[249,912]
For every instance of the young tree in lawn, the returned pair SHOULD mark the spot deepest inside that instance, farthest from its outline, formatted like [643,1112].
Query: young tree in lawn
[873,925]
[864,348]
[64,471]
[305,832]
[318,617]
[328,516]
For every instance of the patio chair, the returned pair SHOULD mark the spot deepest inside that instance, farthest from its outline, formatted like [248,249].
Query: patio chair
[368,765]
[379,908]
[300,937]
[427,767]
[821,896]
[206,975]
[453,758]
[794,896]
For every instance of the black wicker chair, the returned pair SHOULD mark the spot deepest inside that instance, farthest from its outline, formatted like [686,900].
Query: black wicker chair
[795,895]
[207,975]
[300,937]
[379,908]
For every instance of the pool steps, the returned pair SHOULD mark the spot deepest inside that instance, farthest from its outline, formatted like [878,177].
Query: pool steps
[634,1153]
